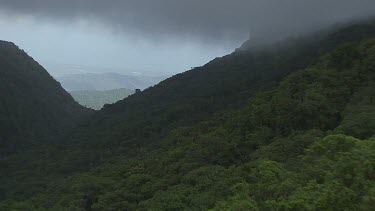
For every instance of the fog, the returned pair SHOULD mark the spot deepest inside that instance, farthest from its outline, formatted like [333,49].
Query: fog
[166,35]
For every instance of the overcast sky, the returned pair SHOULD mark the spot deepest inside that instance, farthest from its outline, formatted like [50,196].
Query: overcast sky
[158,36]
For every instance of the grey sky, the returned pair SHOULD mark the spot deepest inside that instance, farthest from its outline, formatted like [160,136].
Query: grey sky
[164,35]
[79,47]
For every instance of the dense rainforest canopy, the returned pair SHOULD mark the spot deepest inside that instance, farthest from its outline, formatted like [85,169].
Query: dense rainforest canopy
[284,127]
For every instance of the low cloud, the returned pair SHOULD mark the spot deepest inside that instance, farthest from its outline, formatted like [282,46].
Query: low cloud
[204,20]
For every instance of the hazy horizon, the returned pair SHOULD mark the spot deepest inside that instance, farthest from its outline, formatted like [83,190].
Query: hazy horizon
[158,37]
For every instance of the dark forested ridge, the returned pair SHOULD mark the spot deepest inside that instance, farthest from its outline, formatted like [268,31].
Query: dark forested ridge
[285,127]
[223,84]
[34,108]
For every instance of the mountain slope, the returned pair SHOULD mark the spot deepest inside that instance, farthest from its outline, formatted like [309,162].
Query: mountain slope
[34,108]
[263,129]
[223,83]
[288,148]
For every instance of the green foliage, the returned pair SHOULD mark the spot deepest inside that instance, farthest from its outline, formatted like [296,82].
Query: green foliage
[238,202]
[280,130]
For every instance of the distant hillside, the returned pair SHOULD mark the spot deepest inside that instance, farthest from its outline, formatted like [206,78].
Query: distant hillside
[107,81]
[34,108]
[97,99]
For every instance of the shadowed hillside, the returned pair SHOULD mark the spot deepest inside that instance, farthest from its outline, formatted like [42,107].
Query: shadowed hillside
[34,108]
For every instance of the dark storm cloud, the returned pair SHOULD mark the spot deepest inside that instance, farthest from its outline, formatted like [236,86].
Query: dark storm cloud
[199,19]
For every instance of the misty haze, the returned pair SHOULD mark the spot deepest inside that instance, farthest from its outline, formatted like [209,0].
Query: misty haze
[187,105]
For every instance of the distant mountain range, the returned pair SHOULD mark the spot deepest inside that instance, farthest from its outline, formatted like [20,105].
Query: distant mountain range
[107,81]
[97,99]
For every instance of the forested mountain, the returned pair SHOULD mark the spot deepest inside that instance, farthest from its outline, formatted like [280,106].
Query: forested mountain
[223,84]
[34,108]
[96,99]
[285,127]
